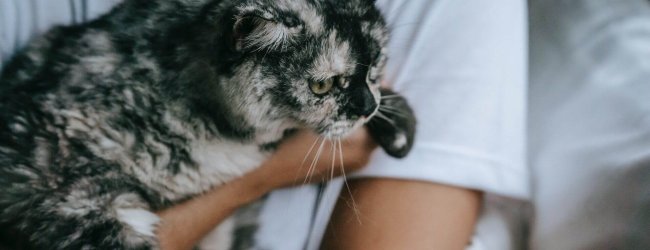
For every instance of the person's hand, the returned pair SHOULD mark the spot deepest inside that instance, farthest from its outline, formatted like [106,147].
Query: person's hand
[307,158]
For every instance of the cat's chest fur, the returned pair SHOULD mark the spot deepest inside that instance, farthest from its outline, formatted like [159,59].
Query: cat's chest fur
[207,162]
[212,163]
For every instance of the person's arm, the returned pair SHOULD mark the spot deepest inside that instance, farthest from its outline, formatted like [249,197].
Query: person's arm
[182,226]
[397,214]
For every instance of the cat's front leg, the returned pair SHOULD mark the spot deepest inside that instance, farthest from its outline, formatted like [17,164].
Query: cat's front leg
[394,125]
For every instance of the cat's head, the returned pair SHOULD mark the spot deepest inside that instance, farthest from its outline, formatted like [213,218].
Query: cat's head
[314,63]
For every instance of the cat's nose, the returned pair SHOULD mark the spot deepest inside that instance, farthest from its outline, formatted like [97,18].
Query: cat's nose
[365,105]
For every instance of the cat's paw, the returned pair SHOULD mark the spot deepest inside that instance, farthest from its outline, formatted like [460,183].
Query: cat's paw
[393,127]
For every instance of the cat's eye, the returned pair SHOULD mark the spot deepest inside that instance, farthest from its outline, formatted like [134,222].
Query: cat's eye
[322,87]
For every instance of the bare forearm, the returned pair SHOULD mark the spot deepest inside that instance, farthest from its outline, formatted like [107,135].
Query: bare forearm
[182,226]
[393,214]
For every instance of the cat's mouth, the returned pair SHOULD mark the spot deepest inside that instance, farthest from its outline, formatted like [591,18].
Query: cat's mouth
[341,129]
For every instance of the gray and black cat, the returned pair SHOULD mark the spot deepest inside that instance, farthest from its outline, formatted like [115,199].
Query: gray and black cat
[158,101]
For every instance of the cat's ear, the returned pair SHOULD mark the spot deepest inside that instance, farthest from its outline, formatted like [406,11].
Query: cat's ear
[260,30]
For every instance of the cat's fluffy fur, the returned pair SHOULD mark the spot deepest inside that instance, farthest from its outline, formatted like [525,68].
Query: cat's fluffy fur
[103,123]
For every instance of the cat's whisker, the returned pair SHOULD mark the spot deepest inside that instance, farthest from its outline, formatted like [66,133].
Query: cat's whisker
[307,156]
[389,96]
[333,159]
[383,116]
[389,107]
[393,112]
[347,185]
[386,119]
[363,64]
[318,156]
[312,167]
[310,149]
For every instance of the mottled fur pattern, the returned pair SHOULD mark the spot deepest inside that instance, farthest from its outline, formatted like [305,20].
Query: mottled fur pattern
[158,101]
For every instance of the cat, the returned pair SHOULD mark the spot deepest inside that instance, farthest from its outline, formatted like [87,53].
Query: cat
[157,101]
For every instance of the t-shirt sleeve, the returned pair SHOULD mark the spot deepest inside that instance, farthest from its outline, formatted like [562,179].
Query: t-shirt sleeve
[462,65]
